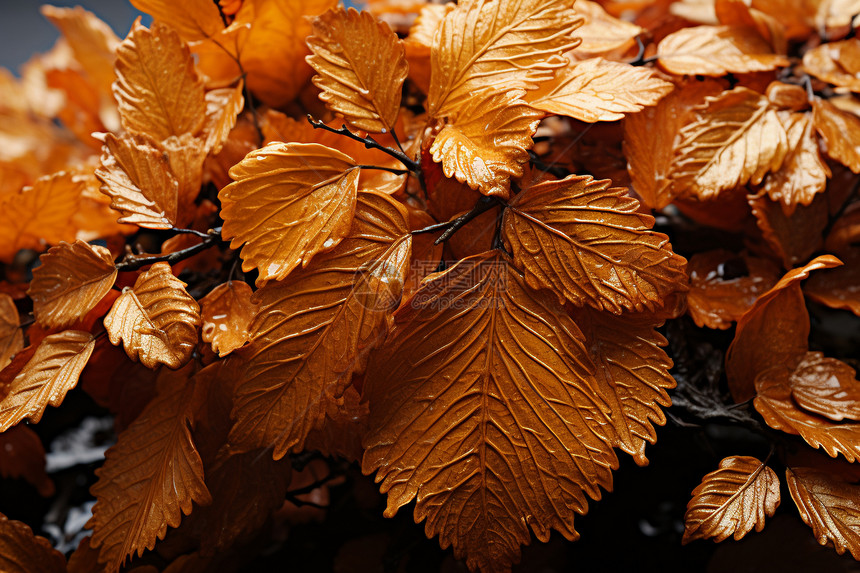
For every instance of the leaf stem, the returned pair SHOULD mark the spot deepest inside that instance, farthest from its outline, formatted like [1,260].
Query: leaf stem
[485,203]
[368,142]
[134,262]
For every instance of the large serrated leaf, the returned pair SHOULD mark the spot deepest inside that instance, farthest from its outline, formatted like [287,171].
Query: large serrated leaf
[829,505]
[23,552]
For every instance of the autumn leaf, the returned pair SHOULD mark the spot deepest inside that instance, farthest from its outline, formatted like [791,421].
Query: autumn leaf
[23,552]
[343,428]
[792,238]
[11,337]
[315,329]
[589,244]
[418,43]
[837,288]
[602,34]
[732,500]
[222,107]
[361,67]
[69,283]
[835,62]
[497,46]
[156,320]
[840,130]
[193,19]
[826,386]
[717,51]
[829,505]
[22,455]
[226,314]
[484,407]
[47,377]
[289,201]
[151,476]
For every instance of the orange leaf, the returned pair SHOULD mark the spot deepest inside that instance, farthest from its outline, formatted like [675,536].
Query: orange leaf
[840,131]
[52,371]
[341,431]
[732,500]
[11,337]
[420,40]
[227,312]
[484,407]
[589,244]
[792,238]
[222,107]
[602,34]
[289,202]
[315,329]
[22,455]
[156,320]
[837,288]
[157,90]
[717,51]
[837,63]
[23,552]
[361,67]
[69,283]
[826,386]
[150,477]
[193,19]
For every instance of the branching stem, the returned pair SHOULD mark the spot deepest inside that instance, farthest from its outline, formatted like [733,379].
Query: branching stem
[134,262]
[485,203]
[369,143]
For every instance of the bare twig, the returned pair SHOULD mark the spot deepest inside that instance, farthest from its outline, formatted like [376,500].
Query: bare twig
[134,262]
[369,143]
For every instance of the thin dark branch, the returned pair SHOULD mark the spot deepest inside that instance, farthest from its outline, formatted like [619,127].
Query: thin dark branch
[221,13]
[639,60]
[134,262]
[485,203]
[369,143]
[389,169]
[191,232]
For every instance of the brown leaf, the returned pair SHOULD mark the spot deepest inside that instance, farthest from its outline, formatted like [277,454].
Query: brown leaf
[23,552]
[723,286]
[484,407]
[837,63]
[829,505]
[11,337]
[150,477]
[732,500]
[156,320]
[589,244]
[315,329]
[498,46]
[157,90]
[599,90]
[840,131]
[193,19]
[792,238]
[791,97]
[717,51]
[22,455]
[227,312]
[602,34]
[361,67]
[838,288]
[69,283]
[341,431]
[222,107]
[289,202]
[733,139]
[826,386]
[47,377]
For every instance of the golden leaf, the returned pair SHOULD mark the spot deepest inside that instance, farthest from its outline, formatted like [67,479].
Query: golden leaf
[227,312]
[150,477]
[23,552]
[315,329]
[69,283]
[289,201]
[156,320]
[193,19]
[792,238]
[484,407]
[136,176]
[11,337]
[599,90]
[23,456]
[157,89]
[826,386]
[803,173]
[840,131]
[186,154]
[837,63]
[222,107]
[589,244]
[37,216]
[717,51]
[829,505]
[361,68]
[419,42]
[602,34]
[732,500]
[497,46]
[734,139]
[486,140]
[632,374]
[47,377]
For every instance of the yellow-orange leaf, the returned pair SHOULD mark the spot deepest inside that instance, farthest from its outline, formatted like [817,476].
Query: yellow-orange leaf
[602,34]
[589,244]
[227,312]
[499,46]
[69,283]
[599,90]
[361,67]
[150,477]
[826,386]
[420,40]
[157,89]
[717,51]
[829,505]
[732,500]
[222,107]
[289,202]
[837,63]
[193,19]
[156,320]
[734,139]
[315,329]
[51,372]
[486,140]
[23,552]
[484,408]
[840,131]
[11,337]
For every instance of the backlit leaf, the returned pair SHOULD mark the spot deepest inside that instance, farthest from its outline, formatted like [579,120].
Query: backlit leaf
[23,552]
[69,283]
[717,51]
[47,377]
[602,34]
[485,409]
[732,500]
[11,337]
[289,202]
[226,313]
[193,19]
[734,139]
[156,320]
[150,477]
[840,131]
[315,329]
[361,67]
[589,244]
[826,386]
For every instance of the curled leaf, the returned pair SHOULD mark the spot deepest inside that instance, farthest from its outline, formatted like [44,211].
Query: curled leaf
[826,386]
[840,131]
[11,337]
[835,62]
[226,314]
[193,19]
[716,51]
